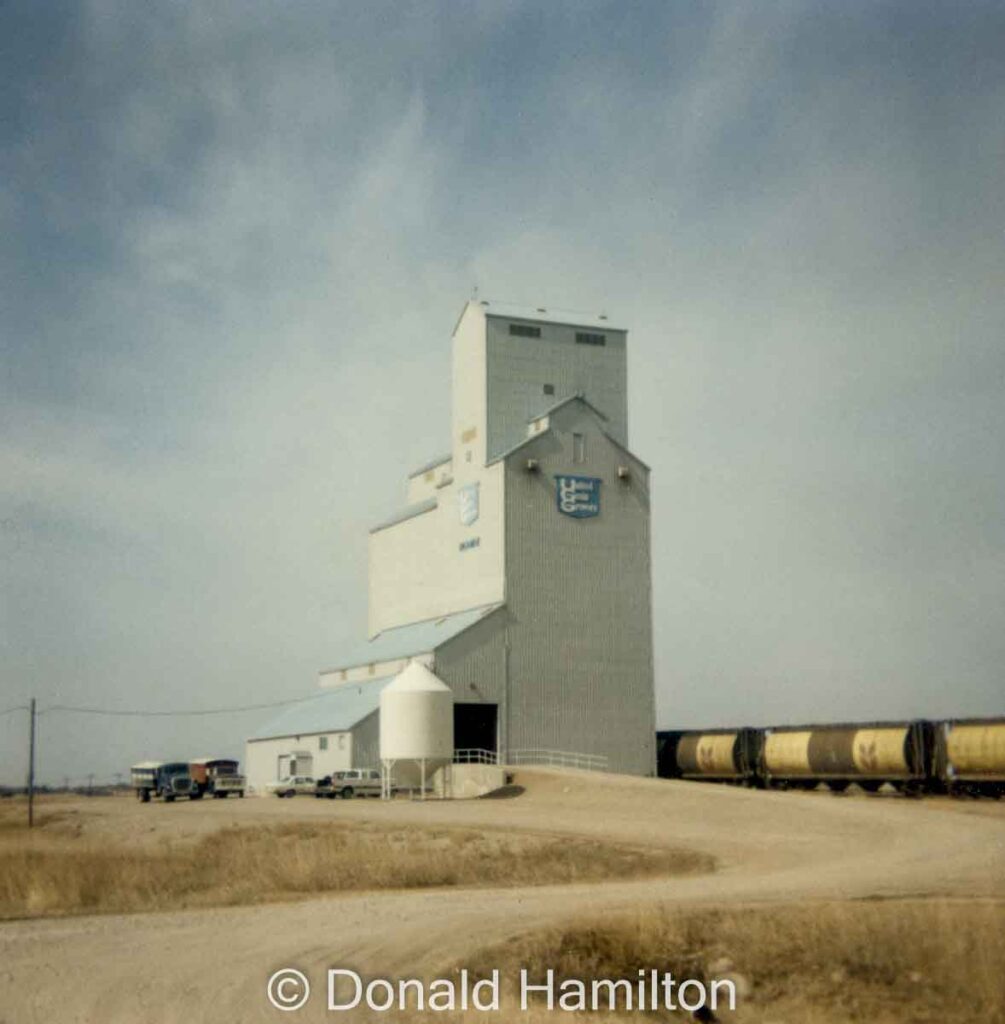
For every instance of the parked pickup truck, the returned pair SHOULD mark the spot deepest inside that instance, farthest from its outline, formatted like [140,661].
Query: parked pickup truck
[350,783]
[164,779]
[291,785]
[216,775]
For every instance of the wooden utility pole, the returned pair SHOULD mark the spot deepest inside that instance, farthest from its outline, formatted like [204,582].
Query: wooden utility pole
[31,766]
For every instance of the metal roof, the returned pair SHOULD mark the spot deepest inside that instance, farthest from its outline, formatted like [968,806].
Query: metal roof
[547,314]
[541,433]
[406,513]
[617,444]
[415,638]
[331,711]
[520,444]
[579,396]
[430,465]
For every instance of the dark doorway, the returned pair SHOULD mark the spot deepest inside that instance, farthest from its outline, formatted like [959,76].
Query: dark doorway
[475,727]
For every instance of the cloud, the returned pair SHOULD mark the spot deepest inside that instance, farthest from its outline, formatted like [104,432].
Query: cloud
[239,240]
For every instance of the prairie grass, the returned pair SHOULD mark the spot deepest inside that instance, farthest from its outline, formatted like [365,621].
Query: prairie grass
[14,819]
[45,875]
[886,962]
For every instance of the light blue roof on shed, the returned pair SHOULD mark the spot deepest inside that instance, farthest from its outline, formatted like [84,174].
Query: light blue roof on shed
[334,710]
[415,638]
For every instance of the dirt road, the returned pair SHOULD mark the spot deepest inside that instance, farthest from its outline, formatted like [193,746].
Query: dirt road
[212,965]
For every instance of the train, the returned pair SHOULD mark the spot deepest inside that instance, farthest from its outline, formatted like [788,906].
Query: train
[960,757]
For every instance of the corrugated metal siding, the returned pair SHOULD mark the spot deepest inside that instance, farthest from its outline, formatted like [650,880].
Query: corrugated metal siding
[578,598]
[366,742]
[473,664]
[518,368]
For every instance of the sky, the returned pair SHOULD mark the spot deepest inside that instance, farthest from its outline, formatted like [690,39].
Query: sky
[235,237]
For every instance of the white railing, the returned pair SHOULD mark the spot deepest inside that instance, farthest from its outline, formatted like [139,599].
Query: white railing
[555,758]
[475,755]
[560,759]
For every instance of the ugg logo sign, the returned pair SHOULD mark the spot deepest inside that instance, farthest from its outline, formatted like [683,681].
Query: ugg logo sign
[578,496]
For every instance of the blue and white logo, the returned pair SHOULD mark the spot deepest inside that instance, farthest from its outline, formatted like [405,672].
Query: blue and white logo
[467,499]
[578,496]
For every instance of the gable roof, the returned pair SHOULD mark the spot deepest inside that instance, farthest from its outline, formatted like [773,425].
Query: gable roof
[617,444]
[334,710]
[579,396]
[414,638]
[549,429]
[513,449]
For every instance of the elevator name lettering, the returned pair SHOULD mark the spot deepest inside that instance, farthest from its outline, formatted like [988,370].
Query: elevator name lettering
[578,496]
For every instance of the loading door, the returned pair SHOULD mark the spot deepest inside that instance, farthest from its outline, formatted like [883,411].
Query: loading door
[475,727]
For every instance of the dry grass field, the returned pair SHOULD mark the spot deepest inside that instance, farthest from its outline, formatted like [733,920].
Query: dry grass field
[56,870]
[824,909]
[887,961]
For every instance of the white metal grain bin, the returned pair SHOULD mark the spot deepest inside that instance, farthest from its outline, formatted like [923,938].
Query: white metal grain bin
[416,726]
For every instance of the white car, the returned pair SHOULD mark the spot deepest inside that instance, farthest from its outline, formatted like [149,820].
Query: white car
[291,785]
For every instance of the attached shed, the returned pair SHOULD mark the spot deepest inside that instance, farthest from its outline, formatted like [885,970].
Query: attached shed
[328,733]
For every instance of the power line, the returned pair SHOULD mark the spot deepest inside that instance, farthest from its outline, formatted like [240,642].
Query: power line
[10,711]
[135,713]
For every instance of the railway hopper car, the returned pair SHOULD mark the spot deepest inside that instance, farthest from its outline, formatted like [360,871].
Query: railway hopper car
[711,755]
[964,757]
[838,755]
[723,755]
[970,756]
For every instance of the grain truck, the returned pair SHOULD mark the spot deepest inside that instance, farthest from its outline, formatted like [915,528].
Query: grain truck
[166,779]
[216,775]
